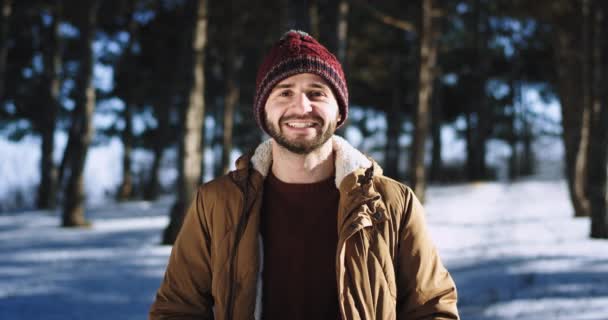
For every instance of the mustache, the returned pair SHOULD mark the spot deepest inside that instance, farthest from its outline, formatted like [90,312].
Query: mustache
[298,117]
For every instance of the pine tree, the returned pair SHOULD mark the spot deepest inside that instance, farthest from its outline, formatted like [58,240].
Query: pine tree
[191,146]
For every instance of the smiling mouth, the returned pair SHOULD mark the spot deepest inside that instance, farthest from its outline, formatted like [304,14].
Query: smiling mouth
[299,125]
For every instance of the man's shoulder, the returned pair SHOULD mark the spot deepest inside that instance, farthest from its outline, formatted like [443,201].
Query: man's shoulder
[392,190]
[219,185]
[390,184]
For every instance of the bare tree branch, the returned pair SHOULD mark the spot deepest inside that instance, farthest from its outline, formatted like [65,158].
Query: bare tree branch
[387,19]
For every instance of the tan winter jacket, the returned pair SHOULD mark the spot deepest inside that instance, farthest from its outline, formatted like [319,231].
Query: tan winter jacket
[386,264]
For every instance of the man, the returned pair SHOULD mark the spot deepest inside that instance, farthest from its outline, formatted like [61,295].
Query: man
[306,227]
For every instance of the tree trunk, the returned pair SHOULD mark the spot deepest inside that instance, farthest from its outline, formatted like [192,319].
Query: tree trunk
[598,146]
[334,33]
[230,103]
[480,171]
[315,19]
[470,144]
[513,173]
[285,22]
[342,32]
[47,190]
[527,161]
[581,162]
[163,108]
[476,149]
[299,15]
[333,26]
[514,158]
[428,59]
[392,144]
[6,7]
[152,187]
[436,120]
[82,128]
[126,190]
[231,98]
[191,144]
[481,115]
[393,121]
[569,80]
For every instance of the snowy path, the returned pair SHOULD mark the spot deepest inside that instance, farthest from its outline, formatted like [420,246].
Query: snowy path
[108,272]
[514,251]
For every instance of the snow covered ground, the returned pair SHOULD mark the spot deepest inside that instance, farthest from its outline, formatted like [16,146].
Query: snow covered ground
[514,251]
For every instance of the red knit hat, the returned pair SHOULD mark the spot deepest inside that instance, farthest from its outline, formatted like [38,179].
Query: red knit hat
[297,52]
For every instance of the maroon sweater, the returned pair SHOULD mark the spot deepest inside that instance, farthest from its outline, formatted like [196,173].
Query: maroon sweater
[299,228]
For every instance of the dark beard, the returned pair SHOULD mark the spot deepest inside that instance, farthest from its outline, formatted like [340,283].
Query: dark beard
[303,147]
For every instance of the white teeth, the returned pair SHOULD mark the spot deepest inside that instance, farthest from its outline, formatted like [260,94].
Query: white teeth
[300,124]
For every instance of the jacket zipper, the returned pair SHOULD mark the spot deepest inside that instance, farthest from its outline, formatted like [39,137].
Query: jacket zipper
[239,232]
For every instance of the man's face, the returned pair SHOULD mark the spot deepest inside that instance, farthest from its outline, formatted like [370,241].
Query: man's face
[301,113]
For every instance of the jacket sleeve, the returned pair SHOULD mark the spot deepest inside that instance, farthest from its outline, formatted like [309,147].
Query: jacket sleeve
[185,292]
[425,289]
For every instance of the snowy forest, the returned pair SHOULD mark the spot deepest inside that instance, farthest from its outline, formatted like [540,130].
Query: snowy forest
[113,112]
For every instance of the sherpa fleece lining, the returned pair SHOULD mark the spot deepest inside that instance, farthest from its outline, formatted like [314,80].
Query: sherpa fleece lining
[348,159]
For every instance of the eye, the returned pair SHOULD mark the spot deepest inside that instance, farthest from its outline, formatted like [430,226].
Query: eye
[285,93]
[317,94]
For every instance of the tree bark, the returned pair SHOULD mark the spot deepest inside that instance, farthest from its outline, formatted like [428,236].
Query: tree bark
[285,22]
[569,81]
[342,32]
[580,167]
[514,170]
[126,189]
[436,120]
[164,107]
[315,19]
[527,161]
[334,33]
[386,18]
[428,60]
[334,27]
[152,187]
[82,128]
[191,144]
[598,146]
[231,94]
[230,102]
[6,6]
[299,15]
[393,121]
[47,190]
[480,115]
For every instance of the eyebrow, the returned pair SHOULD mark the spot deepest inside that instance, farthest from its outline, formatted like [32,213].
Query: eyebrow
[319,85]
[282,86]
[288,85]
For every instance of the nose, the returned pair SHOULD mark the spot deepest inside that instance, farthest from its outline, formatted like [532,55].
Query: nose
[302,103]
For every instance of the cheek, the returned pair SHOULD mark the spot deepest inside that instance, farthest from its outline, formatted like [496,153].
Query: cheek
[333,113]
[270,113]
[274,109]
[273,114]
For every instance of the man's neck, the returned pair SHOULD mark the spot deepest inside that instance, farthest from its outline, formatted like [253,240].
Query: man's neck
[308,168]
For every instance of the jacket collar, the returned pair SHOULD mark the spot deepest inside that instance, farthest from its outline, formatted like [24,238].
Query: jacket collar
[354,174]
[348,160]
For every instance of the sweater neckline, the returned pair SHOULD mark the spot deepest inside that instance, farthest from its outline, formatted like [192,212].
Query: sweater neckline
[276,184]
